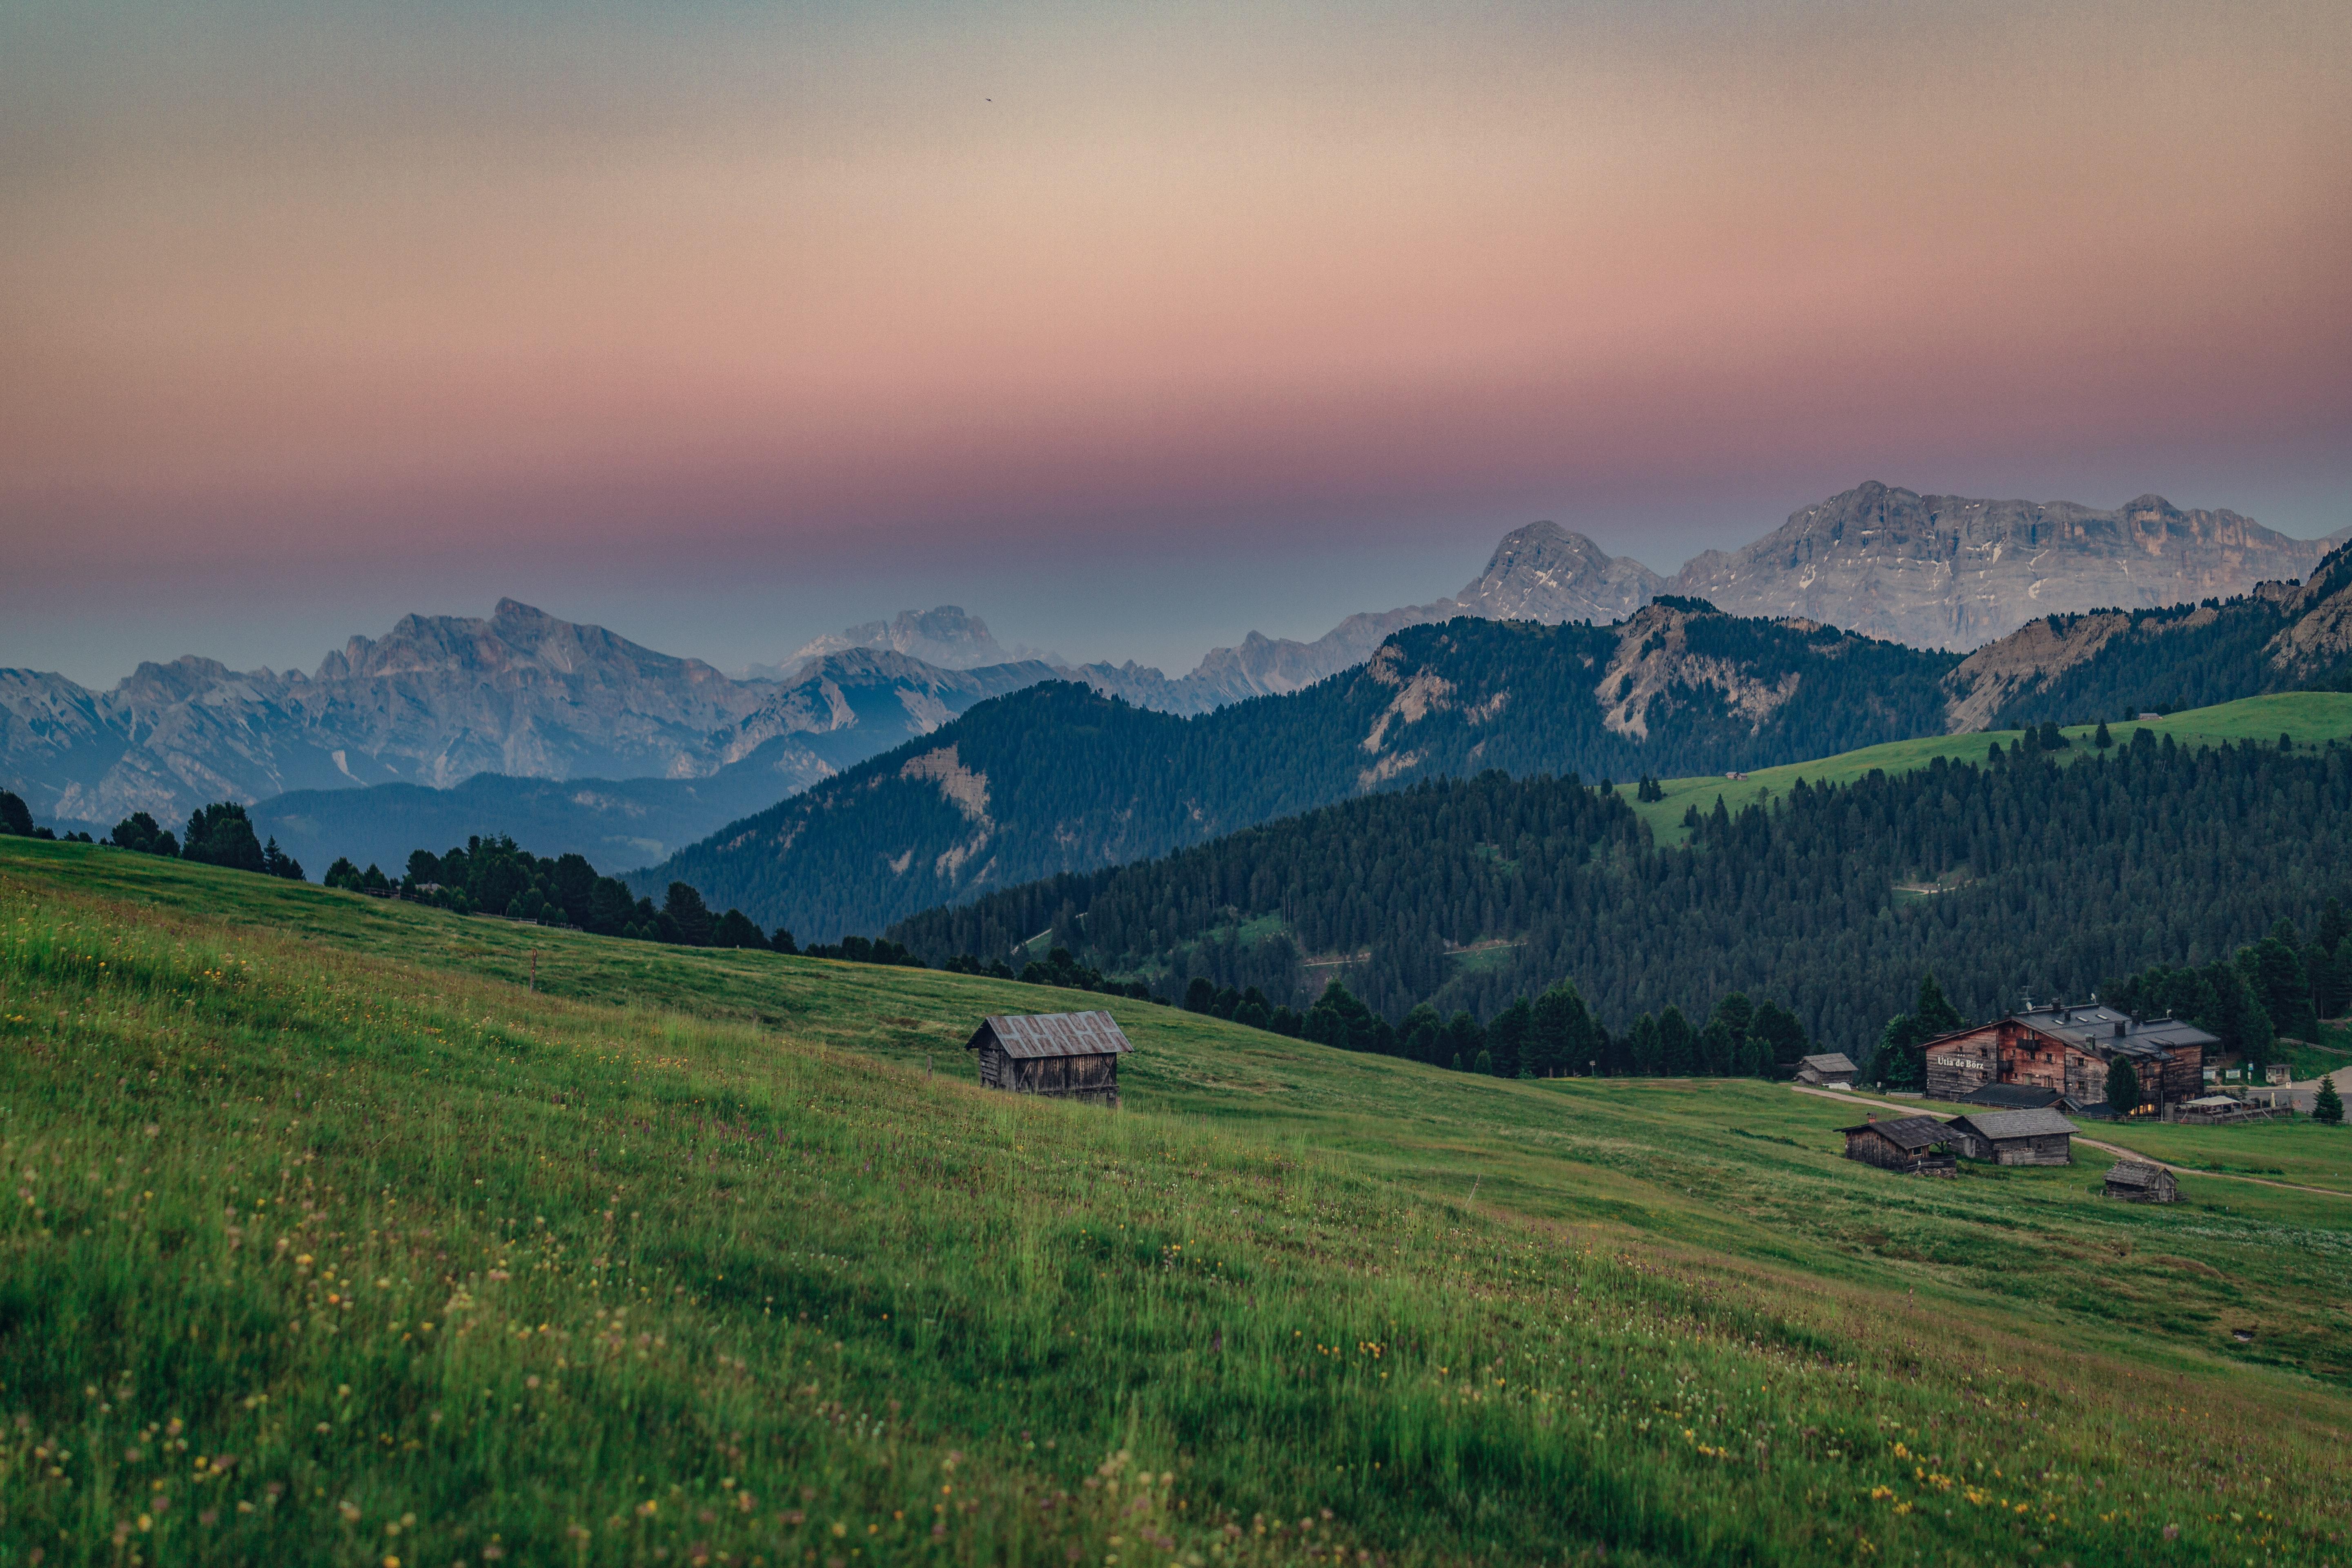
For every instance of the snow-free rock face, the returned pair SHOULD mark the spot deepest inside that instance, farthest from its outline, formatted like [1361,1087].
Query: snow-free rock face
[1543,572]
[1952,573]
[2318,640]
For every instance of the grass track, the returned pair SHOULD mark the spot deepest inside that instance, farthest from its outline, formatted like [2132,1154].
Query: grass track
[714,1264]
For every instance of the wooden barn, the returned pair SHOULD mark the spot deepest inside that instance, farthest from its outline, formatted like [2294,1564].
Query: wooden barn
[1830,1071]
[1068,1055]
[2014,1137]
[2140,1184]
[1918,1144]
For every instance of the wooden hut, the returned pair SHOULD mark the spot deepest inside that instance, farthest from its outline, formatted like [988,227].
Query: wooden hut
[1920,1145]
[1068,1055]
[2142,1184]
[2014,1137]
[1830,1071]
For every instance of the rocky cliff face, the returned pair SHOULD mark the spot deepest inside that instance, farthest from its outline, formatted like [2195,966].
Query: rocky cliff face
[440,700]
[1545,573]
[2318,639]
[1952,573]
[2112,663]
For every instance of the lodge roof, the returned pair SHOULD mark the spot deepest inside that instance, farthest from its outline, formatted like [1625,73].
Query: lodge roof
[1997,1125]
[1913,1133]
[2110,1031]
[1028,1036]
[1829,1062]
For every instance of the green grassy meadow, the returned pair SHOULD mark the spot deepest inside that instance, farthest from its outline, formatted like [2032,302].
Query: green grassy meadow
[332,1239]
[2308,717]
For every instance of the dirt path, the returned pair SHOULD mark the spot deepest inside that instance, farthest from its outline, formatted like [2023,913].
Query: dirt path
[1922,1110]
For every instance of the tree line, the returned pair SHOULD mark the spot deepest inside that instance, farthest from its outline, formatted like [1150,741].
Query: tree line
[215,835]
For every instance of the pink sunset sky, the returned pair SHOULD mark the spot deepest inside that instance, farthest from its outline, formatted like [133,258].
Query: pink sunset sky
[1129,329]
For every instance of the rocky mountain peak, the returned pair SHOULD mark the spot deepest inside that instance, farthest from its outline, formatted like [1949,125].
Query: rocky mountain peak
[1548,573]
[1953,572]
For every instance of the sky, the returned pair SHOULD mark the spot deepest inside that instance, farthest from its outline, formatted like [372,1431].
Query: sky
[1128,328]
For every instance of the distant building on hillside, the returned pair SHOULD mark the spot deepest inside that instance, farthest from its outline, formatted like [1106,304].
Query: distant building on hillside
[2142,1184]
[1066,1056]
[1919,1145]
[2014,1137]
[1830,1071]
[2068,1049]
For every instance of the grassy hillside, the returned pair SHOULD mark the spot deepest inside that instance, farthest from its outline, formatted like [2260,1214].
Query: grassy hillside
[2308,717]
[333,1242]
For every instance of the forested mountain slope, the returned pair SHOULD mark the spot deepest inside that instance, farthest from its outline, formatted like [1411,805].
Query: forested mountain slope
[1060,778]
[2013,875]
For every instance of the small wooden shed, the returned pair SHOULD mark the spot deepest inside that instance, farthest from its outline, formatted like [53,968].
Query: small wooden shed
[1068,1055]
[1920,1145]
[1830,1071]
[2015,1137]
[2141,1184]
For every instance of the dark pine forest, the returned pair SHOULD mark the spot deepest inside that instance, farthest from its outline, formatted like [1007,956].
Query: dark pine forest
[1467,894]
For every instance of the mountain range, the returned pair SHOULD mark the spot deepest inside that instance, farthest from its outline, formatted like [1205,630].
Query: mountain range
[1052,781]
[526,697]
[520,697]
[1935,570]
[1060,778]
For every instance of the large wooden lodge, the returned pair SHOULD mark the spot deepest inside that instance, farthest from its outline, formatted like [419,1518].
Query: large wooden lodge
[2067,1049]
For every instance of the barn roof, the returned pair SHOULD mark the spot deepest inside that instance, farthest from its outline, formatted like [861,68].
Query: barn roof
[2132,1173]
[1026,1036]
[1999,1124]
[1906,1132]
[1831,1062]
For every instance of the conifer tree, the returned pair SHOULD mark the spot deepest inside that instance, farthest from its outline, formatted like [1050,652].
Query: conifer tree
[1508,1036]
[2327,1108]
[2123,1086]
[1677,1043]
[1649,1047]
[1934,1015]
[685,909]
